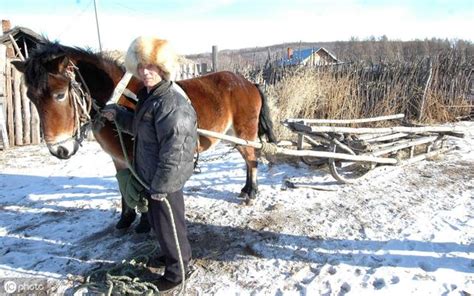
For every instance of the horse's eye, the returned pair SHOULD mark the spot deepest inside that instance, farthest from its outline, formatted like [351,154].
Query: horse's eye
[59,96]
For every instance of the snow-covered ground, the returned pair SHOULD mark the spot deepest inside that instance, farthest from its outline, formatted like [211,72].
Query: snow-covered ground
[401,231]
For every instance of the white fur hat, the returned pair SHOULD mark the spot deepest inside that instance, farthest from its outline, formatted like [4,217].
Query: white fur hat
[151,51]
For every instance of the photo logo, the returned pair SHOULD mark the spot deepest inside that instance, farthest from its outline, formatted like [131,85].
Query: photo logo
[9,286]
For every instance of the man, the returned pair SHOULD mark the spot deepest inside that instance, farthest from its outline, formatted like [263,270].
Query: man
[164,128]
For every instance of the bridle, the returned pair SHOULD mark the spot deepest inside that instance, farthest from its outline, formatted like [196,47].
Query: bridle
[82,103]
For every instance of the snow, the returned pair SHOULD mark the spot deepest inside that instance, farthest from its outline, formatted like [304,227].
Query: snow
[405,230]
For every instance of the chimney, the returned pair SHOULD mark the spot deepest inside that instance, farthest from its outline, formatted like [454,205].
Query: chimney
[290,53]
[6,26]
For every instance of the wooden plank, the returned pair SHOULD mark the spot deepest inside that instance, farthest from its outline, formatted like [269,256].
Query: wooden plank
[395,129]
[3,130]
[17,107]
[386,137]
[3,61]
[3,100]
[26,114]
[9,96]
[346,121]
[35,125]
[404,144]
[15,45]
[427,155]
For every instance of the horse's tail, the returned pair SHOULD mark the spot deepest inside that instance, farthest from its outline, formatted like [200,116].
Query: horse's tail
[265,124]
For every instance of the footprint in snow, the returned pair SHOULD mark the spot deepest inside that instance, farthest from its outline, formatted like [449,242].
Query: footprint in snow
[426,266]
[345,288]
[379,284]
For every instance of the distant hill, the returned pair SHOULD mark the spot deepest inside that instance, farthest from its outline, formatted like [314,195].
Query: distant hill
[370,50]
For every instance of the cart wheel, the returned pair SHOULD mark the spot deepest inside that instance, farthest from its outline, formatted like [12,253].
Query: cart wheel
[346,171]
[314,161]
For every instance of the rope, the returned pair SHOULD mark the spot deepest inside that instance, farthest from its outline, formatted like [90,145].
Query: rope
[173,225]
[269,148]
[123,278]
[82,101]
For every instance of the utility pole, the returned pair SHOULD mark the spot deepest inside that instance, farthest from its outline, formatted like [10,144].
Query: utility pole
[97,25]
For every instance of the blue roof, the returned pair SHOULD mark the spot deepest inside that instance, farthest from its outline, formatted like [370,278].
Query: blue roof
[298,56]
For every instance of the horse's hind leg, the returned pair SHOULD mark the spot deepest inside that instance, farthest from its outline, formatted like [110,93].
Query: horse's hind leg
[249,191]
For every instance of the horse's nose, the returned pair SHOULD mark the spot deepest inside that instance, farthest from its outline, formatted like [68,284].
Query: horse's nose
[62,152]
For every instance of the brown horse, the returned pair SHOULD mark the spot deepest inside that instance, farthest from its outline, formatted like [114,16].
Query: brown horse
[69,85]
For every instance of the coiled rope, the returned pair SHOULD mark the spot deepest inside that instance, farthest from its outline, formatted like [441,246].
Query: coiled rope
[123,278]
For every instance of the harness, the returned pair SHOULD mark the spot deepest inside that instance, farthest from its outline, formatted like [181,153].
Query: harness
[82,103]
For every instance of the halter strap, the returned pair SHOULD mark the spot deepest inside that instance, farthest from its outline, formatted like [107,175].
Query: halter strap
[82,102]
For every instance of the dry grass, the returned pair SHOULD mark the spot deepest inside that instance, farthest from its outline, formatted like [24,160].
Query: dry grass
[360,91]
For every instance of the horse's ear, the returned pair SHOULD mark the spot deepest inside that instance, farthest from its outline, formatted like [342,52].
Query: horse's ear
[57,65]
[19,65]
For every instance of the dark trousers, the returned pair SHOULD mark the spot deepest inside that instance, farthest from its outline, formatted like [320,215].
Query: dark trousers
[159,217]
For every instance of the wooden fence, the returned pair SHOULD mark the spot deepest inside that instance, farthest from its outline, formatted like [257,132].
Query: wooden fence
[19,119]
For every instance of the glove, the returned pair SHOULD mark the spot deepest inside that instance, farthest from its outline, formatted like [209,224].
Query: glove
[133,192]
[98,123]
[110,111]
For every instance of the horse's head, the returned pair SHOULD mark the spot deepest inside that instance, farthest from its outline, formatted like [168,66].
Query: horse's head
[49,77]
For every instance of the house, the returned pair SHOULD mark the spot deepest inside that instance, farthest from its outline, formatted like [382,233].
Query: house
[25,39]
[308,57]
[19,121]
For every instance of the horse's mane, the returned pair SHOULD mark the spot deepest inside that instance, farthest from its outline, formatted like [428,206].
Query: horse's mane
[36,73]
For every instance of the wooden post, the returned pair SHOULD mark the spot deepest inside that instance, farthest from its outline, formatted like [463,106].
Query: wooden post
[25,106]
[9,96]
[15,45]
[35,125]
[17,107]
[203,69]
[3,130]
[214,58]
[3,100]
[196,70]
[3,61]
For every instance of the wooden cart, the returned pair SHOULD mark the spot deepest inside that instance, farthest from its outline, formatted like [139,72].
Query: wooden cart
[402,144]
[351,152]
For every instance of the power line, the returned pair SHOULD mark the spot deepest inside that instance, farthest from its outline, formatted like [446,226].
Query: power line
[75,19]
[97,24]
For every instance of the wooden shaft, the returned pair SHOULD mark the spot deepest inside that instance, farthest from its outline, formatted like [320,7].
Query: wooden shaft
[317,154]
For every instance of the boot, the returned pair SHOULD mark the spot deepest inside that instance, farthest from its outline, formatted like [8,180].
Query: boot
[144,225]
[127,217]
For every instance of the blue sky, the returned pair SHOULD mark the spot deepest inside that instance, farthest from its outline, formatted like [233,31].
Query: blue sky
[195,25]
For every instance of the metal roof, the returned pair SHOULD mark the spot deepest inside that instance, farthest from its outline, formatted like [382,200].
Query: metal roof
[299,56]
[20,30]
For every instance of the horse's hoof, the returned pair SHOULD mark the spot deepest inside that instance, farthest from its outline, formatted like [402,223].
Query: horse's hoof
[125,222]
[248,201]
[243,195]
[143,227]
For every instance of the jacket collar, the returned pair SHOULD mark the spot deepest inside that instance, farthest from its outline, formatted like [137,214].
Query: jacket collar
[159,89]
